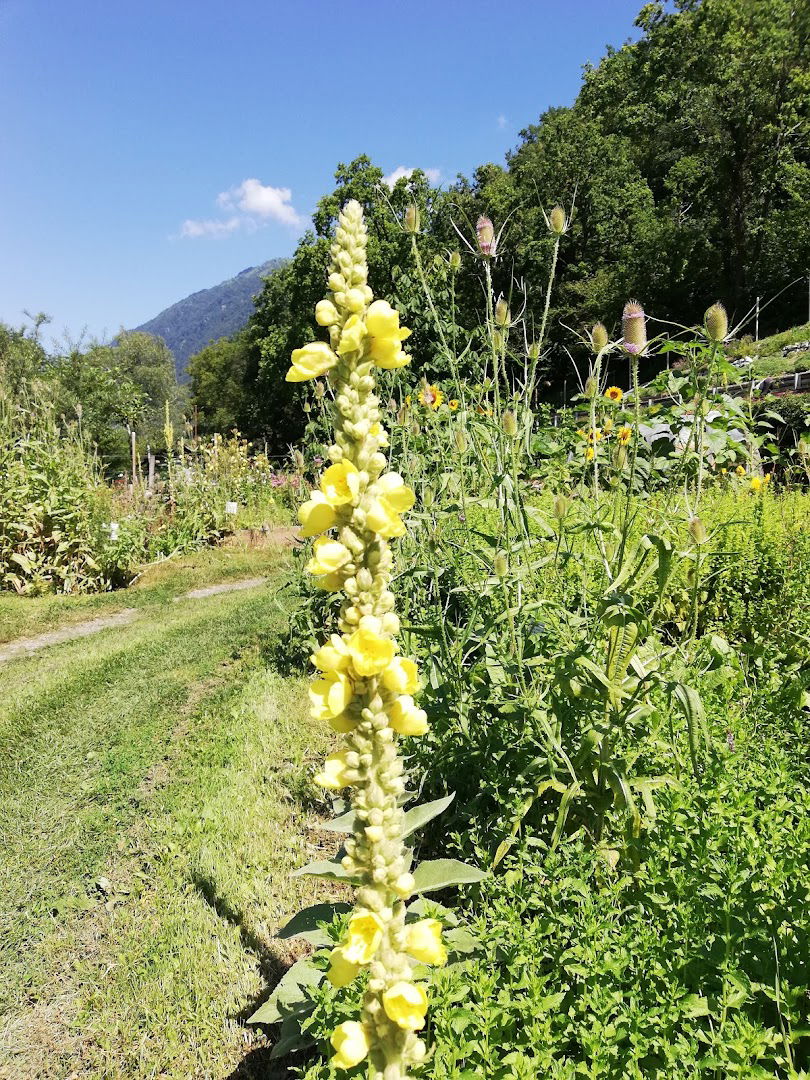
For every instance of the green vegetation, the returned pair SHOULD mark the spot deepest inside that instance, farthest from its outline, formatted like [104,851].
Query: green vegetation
[152,791]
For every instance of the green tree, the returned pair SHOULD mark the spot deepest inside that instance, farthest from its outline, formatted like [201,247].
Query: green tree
[218,388]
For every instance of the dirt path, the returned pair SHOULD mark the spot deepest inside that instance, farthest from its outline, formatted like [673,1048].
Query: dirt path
[27,646]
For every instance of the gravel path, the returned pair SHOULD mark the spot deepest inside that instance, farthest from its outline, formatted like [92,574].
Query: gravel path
[27,646]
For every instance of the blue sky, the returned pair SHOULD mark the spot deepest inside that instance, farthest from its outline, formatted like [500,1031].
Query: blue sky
[156,147]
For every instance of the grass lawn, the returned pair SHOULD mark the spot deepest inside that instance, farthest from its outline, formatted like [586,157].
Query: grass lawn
[153,799]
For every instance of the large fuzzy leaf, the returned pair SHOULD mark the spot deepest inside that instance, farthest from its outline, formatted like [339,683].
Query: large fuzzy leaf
[442,873]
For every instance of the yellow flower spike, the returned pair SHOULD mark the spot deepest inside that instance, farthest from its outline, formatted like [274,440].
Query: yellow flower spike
[401,676]
[330,695]
[313,360]
[327,556]
[370,652]
[614,394]
[423,941]
[406,1004]
[340,483]
[351,1044]
[341,971]
[740,471]
[363,937]
[756,483]
[316,515]
[335,774]
[351,338]
[406,718]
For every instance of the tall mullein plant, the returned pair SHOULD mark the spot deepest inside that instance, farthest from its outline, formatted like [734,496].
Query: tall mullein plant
[365,687]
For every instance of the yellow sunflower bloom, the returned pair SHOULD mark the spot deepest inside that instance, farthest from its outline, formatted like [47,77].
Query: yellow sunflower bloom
[614,394]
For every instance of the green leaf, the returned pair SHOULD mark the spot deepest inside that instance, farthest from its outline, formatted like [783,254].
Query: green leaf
[418,816]
[308,921]
[291,1038]
[442,873]
[289,996]
[323,869]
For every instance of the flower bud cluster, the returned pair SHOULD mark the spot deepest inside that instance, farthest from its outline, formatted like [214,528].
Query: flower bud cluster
[365,688]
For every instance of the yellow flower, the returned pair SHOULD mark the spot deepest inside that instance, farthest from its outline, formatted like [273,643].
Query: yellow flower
[370,652]
[589,453]
[340,483]
[396,492]
[327,556]
[766,479]
[316,515]
[484,410]
[313,360]
[326,313]
[625,433]
[341,971]
[406,718]
[431,396]
[332,656]
[583,434]
[401,676]
[350,1043]
[756,483]
[614,393]
[385,346]
[406,1005]
[594,435]
[408,399]
[423,940]
[380,518]
[351,337]
[607,427]
[452,404]
[330,695]
[740,470]
[335,773]
[364,936]
[379,433]
[329,582]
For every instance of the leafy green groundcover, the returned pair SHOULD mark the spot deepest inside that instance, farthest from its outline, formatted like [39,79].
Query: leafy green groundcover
[695,965]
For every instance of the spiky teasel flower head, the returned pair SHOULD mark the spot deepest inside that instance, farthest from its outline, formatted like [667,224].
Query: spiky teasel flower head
[716,322]
[485,233]
[599,337]
[413,219]
[557,221]
[365,688]
[634,328]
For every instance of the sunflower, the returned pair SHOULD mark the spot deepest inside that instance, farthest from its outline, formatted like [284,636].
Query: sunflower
[614,394]
[624,435]
[594,435]
[452,404]
[484,411]
[431,396]
[408,399]
[589,453]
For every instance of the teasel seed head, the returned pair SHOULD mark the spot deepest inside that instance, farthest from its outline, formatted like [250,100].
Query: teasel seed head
[698,530]
[716,322]
[557,221]
[503,315]
[454,260]
[413,219]
[634,328]
[599,337]
[500,565]
[510,424]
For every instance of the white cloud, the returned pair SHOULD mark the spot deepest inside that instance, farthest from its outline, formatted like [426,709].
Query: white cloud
[193,228]
[433,175]
[253,197]
[502,121]
[250,204]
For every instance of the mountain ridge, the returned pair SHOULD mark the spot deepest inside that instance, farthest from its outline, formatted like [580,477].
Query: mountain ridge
[206,315]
